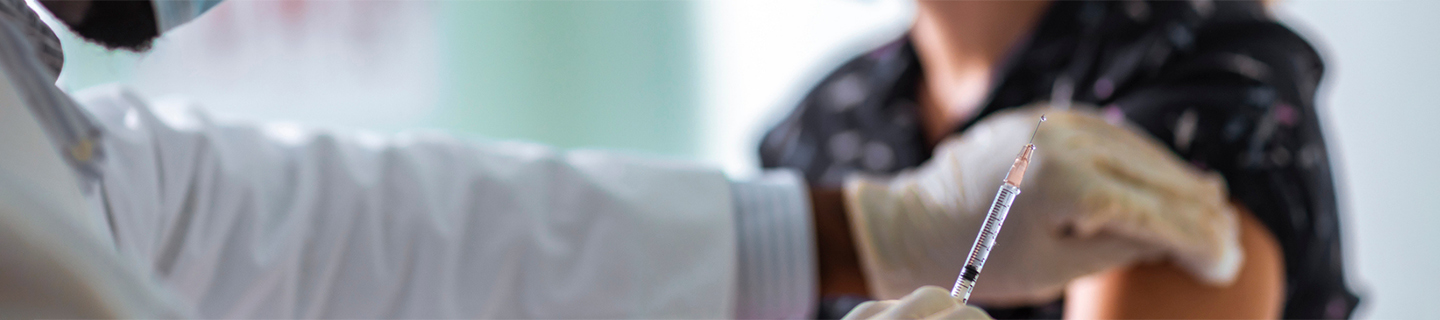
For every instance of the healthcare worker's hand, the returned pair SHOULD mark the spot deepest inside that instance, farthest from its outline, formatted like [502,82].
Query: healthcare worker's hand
[1096,195]
[928,302]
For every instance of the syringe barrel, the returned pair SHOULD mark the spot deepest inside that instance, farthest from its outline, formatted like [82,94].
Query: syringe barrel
[984,241]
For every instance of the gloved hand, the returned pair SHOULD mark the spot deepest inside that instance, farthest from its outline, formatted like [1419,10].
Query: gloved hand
[1096,196]
[928,302]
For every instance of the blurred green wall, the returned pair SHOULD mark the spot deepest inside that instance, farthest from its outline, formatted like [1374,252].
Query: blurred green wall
[569,73]
[608,74]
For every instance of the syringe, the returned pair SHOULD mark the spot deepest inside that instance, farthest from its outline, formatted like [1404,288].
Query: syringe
[996,217]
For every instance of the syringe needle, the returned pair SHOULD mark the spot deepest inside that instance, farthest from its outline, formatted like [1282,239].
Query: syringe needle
[1037,128]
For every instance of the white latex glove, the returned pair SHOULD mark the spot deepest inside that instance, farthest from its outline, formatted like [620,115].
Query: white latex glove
[1096,196]
[928,302]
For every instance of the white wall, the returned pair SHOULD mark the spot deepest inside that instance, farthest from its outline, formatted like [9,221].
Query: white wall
[371,64]
[759,57]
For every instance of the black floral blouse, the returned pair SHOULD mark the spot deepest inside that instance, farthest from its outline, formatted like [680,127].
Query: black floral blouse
[1222,83]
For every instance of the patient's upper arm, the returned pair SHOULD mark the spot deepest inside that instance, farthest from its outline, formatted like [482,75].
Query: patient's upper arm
[1165,291]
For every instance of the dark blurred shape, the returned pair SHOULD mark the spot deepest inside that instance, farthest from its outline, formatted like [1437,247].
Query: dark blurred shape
[1221,83]
[117,24]
[835,307]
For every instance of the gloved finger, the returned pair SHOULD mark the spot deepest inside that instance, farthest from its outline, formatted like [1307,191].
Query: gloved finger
[1164,175]
[1132,182]
[1117,203]
[1199,231]
[960,312]
[1123,152]
[1127,210]
[922,303]
[1117,152]
[1132,208]
[869,309]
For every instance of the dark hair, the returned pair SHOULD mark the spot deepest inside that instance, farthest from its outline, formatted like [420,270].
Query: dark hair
[119,24]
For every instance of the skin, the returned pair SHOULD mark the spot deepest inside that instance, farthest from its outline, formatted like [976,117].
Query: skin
[68,11]
[960,44]
[839,265]
[1163,291]
[114,24]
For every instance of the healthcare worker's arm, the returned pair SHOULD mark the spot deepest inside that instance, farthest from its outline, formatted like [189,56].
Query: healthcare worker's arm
[276,221]
[1164,291]
[777,261]
[56,260]
[839,271]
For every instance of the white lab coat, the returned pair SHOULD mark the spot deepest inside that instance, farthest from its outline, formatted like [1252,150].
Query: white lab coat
[245,221]
[55,258]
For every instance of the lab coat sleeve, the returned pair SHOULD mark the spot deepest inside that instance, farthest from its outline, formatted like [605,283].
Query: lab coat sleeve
[777,277]
[54,260]
[276,221]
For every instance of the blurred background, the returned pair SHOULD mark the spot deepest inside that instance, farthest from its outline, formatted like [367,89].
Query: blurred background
[702,80]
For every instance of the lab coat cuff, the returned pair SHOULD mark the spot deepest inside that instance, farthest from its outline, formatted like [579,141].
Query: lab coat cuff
[776,263]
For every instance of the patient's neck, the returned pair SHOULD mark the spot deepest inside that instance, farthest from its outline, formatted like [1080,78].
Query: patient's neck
[960,44]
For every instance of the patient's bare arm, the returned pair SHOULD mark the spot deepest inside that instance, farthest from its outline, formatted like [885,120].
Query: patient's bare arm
[1164,291]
